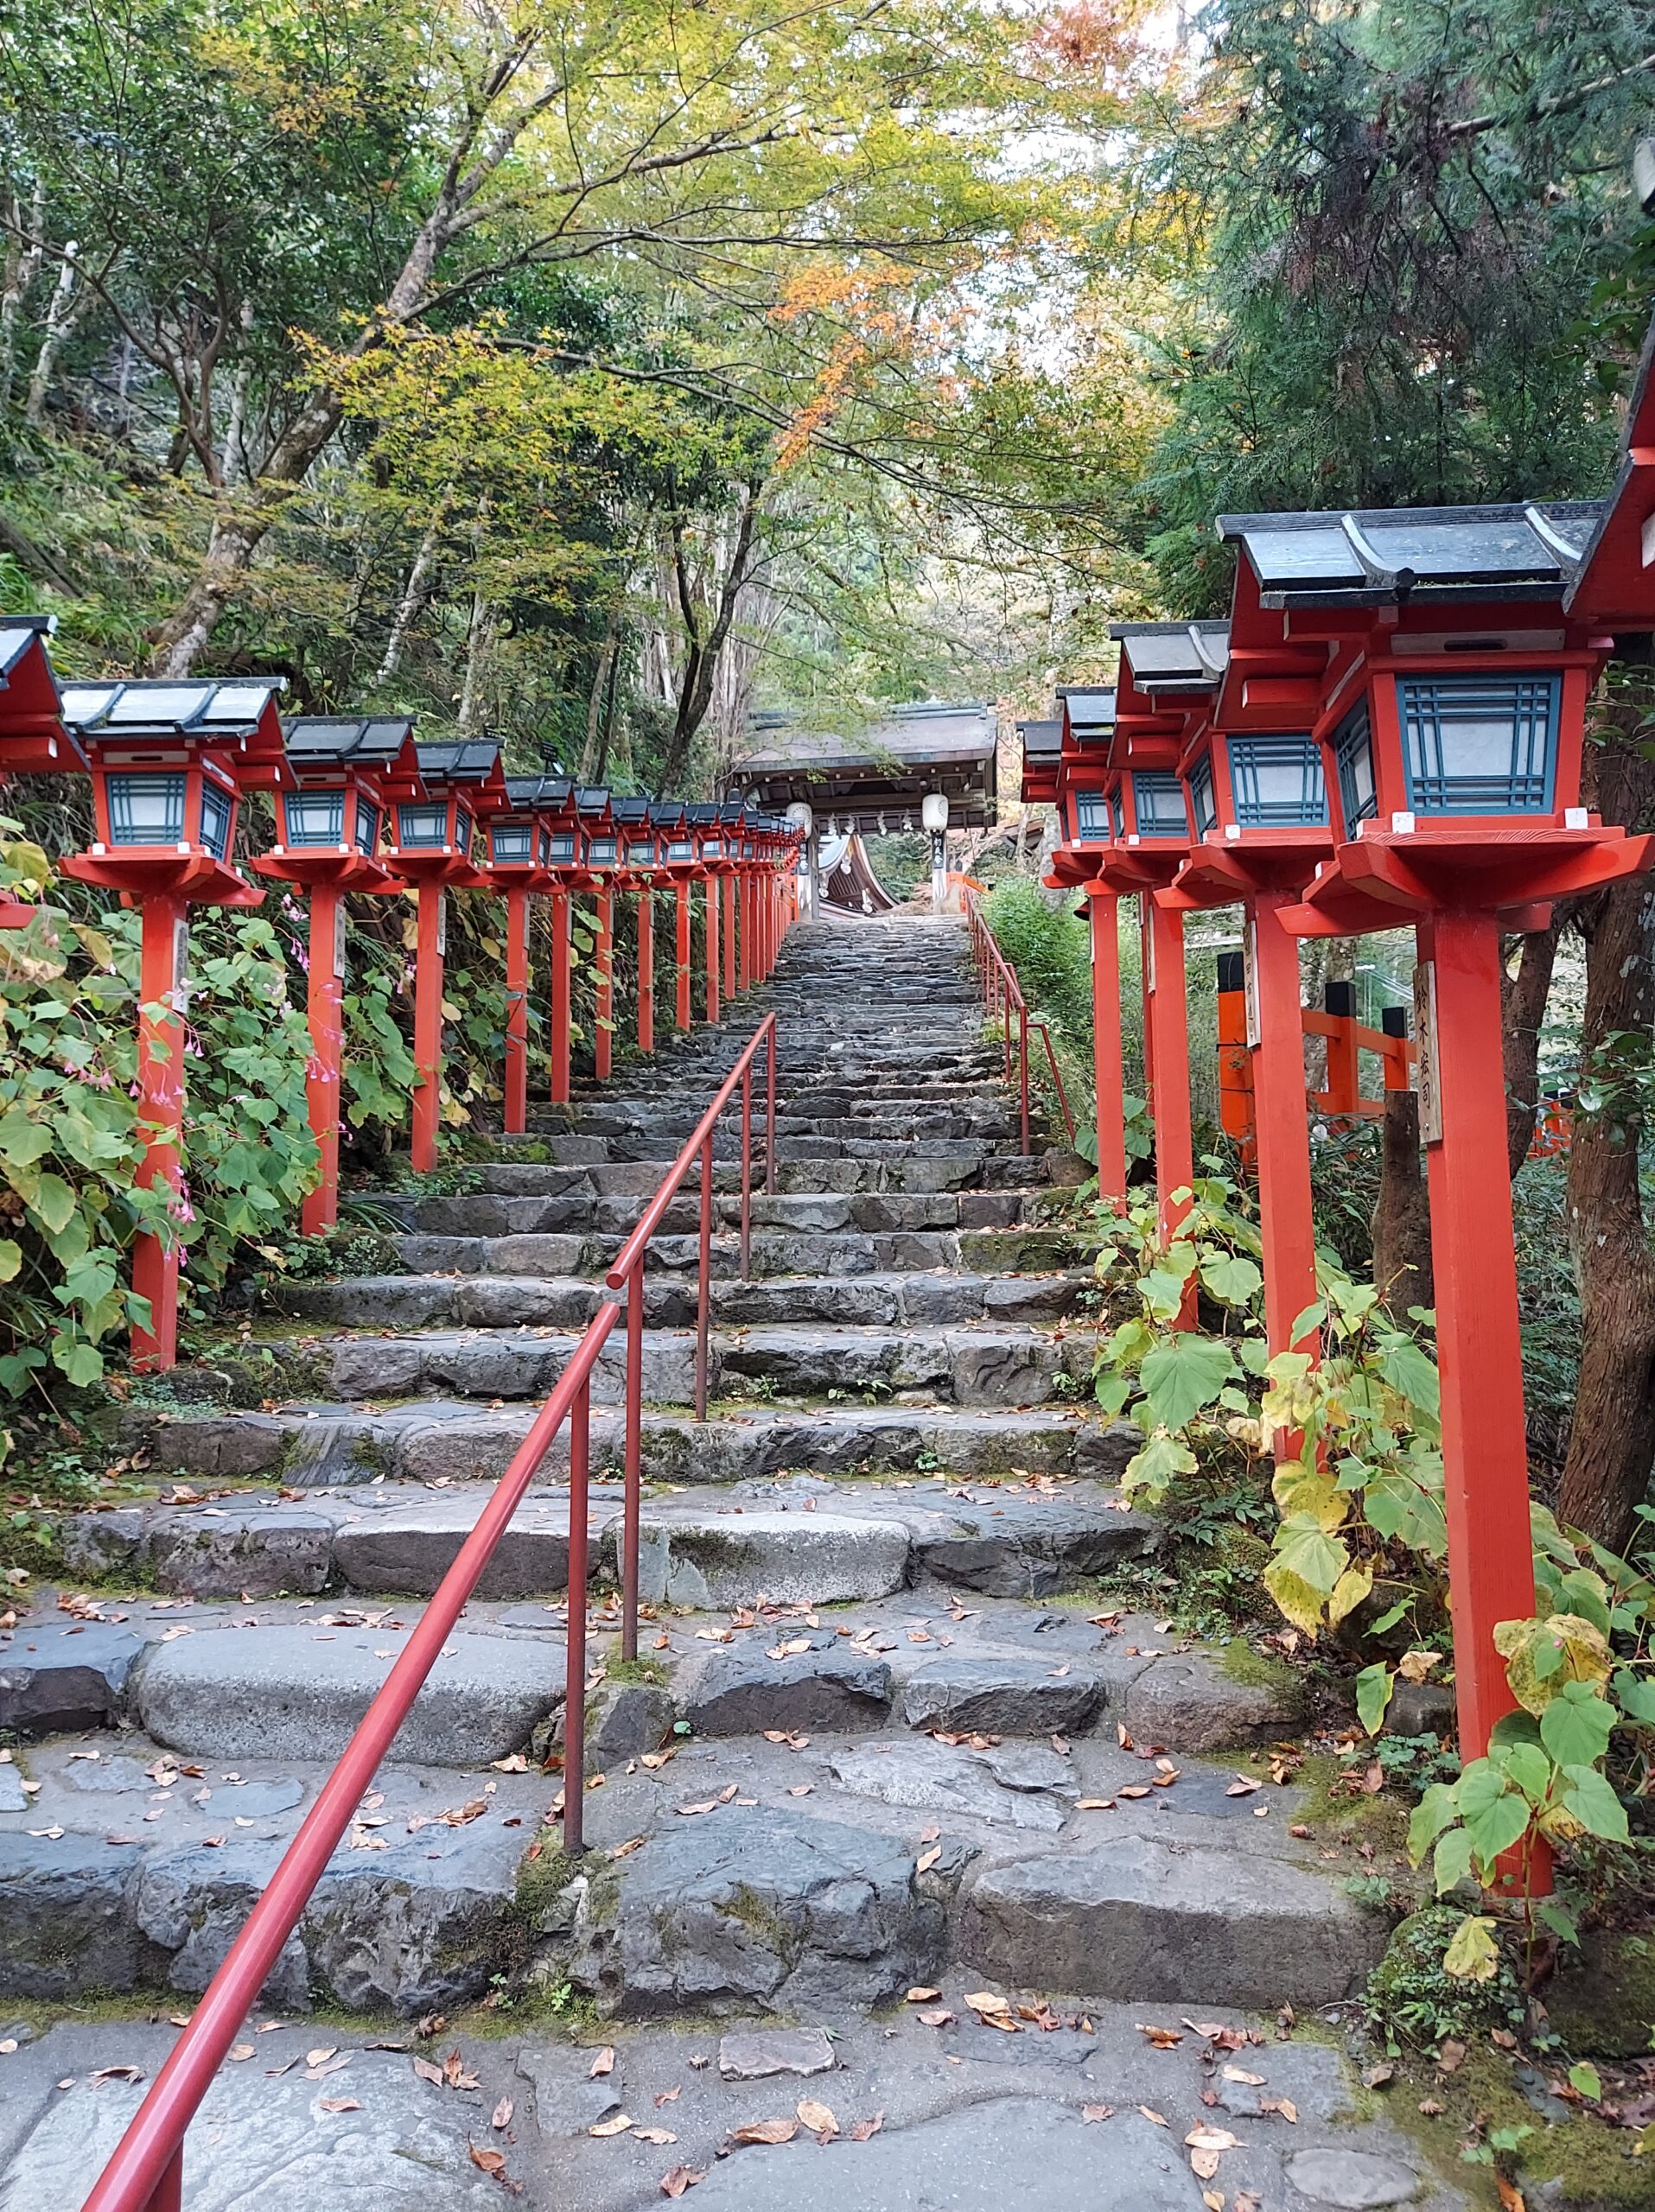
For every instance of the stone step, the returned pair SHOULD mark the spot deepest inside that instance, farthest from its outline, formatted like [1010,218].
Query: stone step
[802,1538]
[979,1366]
[398,1302]
[487,1214]
[771,1251]
[146,1860]
[323,1445]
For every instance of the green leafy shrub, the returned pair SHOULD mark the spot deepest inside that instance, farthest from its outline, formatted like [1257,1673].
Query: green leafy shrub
[1413,1998]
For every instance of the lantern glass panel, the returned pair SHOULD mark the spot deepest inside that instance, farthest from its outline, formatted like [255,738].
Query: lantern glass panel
[146,810]
[1091,817]
[712,848]
[1480,745]
[422,827]
[1201,792]
[367,827]
[681,848]
[560,847]
[218,812]
[313,818]
[1277,782]
[601,851]
[1358,794]
[512,841]
[1158,802]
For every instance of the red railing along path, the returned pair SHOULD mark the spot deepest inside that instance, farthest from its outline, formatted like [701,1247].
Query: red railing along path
[146,2172]
[1003,996]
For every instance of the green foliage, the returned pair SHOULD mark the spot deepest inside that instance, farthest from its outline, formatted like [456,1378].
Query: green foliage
[1414,1997]
[1408,209]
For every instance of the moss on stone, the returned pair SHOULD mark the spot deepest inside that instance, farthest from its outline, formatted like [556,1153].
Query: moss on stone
[1591,2166]
[1254,1669]
[1380,1820]
[624,1671]
[1603,2004]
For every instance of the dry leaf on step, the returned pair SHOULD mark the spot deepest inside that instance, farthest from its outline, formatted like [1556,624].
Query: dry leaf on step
[766,2131]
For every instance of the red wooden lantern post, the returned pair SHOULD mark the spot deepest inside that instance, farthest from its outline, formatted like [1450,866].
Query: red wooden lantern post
[1257,796]
[432,825]
[33,741]
[676,847]
[600,857]
[517,862]
[641,850]
[1453,690]
[1065,762]
[169,762]
[557,803]
[1151,838]
[329,813]
[731,815]
[710,853]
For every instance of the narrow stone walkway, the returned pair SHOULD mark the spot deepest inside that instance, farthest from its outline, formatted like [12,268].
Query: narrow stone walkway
[883,1739]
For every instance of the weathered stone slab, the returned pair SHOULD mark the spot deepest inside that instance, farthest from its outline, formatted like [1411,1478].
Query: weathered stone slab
[259,2144]
[1355,2181]
[1015,1547]
[739,1690]
[1001,1695]
[761,2052]
[731,1559]
[299,1693]
[745,1907]
[63,1923]
[1009,2151]
[411,1547]
[567,2102]
[258,1551]
[60,1675]
[937,1778]
[1190,1703]
[1144,1920]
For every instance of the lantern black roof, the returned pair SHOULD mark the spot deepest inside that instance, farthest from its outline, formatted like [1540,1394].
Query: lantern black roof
[1174,657]
[538,790]
[631,813]
[1042,740]
[163,706]
[732,814]
[1380,557]
[1090,711]
[667,813]
[368,741]
[701,814]
[463,760]
[592,798]
[18,633]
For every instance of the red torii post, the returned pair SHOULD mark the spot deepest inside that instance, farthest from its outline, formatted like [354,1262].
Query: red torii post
[169,763]
[331,809]
[432,826]
[1451,728]
[640,851]
[677,850]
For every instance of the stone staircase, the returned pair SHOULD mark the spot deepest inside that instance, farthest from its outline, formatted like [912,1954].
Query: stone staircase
[884,1729]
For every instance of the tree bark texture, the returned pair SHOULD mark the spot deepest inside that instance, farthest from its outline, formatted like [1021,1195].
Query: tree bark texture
[1523,1011]
[1402,1216]
[1612,1437]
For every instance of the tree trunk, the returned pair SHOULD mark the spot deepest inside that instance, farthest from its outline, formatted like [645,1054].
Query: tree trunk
[413,596]
[1523,1010]
[65,311]
[1402,1218]
[698,687]
[1612,1437]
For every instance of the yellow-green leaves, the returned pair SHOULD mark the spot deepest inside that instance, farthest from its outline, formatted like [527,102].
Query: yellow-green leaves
[1542,1656]
[1472,1955]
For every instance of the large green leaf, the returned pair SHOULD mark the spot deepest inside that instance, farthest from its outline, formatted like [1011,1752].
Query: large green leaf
[1575,1726]
[1595,1805]
[1232,1278]
[1495,1830]
[1373,1688]
[1183,1373]
[52,1203]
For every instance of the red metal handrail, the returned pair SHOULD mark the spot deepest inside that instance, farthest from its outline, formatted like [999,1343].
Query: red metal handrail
[145,2173]
[1002,995]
